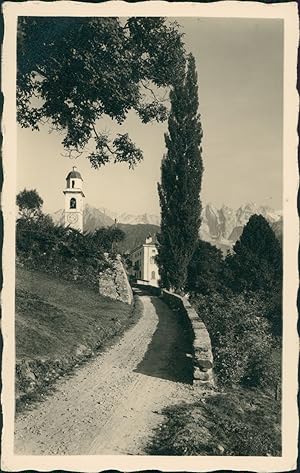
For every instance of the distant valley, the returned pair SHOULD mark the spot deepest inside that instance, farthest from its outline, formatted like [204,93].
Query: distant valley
[222,227]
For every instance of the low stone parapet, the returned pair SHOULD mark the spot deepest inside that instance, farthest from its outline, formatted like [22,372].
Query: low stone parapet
[202,351]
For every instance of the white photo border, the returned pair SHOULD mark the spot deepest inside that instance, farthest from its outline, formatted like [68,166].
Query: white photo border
[286,11]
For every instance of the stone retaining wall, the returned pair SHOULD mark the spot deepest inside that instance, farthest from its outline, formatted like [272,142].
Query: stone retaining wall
[113,282]
[203,358]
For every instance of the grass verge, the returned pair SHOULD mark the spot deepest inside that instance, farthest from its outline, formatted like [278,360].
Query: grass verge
[237,422]
[59,325]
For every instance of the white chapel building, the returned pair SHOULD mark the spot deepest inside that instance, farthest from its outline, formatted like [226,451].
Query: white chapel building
[74,200]
[144,267]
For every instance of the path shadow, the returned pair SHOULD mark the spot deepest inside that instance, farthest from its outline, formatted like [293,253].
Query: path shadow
[169,354]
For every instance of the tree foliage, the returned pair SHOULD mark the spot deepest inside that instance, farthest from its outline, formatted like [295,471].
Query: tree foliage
[65,252]
[205,269]
[107,237]
[55,249]
[181,173]
[256,262]
[242,339]
[29,203]
[72,71]
[243,311]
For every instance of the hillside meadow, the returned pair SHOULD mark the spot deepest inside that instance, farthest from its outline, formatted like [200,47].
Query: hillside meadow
[58,325]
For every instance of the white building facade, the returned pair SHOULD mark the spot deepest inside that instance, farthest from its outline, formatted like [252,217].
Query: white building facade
[144,267]
[74,200]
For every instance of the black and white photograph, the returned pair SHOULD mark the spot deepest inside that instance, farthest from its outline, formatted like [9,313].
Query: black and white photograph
[150,236]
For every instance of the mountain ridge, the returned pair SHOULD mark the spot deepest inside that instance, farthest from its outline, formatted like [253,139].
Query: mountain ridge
[221,227]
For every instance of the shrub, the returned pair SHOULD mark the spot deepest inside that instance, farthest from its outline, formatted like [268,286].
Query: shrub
[41,245]
[239,422]
[241,337]
[205,269]
[256,262]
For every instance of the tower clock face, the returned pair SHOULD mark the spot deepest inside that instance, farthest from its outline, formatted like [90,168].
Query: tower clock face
[72,218]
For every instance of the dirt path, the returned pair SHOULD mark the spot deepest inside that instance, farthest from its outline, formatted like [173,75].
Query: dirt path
[111,404]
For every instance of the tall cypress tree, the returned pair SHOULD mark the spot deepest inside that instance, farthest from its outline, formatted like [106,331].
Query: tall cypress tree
[181,173]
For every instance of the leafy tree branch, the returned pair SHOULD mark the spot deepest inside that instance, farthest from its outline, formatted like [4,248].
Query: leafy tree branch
[74,71]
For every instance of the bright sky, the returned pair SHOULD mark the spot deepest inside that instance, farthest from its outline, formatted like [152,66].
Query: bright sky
[240,69]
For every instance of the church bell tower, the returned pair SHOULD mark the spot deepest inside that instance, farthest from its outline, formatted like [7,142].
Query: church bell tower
[74,200]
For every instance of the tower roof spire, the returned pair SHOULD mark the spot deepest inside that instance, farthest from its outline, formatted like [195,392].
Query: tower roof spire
[74,174]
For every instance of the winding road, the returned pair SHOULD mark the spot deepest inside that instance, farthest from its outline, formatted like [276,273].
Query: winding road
[111,404]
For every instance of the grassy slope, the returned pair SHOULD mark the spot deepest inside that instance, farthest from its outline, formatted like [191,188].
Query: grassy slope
[59,320]
[239,422]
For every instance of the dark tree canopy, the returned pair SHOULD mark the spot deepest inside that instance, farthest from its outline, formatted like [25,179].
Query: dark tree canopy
[72,71]
[181,174]
[205,269]
[29,203]
[256,263]
[107,237]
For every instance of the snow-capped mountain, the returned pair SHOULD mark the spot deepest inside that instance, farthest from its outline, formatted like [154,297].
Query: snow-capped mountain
[92,218]
[224,226]
[132,219]
[217,223]
[221,227]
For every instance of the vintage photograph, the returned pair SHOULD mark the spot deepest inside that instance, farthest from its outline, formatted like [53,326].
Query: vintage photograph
[149,219]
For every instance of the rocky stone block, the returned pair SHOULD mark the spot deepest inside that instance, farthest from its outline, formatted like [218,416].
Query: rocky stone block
[205,361]
[198,374]
[202,377]
[114,283]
